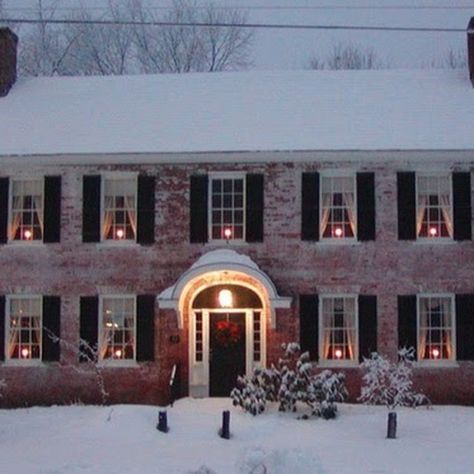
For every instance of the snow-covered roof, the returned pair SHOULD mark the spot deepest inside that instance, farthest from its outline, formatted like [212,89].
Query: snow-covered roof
[245,111]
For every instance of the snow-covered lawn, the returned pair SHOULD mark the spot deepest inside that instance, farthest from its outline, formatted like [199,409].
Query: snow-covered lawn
[123,439]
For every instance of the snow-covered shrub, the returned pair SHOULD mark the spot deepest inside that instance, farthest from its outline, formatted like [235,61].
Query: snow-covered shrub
[390,383]
[289,383]
[3,386]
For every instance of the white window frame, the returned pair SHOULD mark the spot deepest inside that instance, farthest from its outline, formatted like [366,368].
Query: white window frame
[434,362]
[434,174]
[329,174]
[20,361]
[117,177]
[116,362]
[334,362]
[10,211]
[233,176]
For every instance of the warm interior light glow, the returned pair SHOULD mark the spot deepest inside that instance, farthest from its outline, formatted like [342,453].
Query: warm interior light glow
[433,231]
[25,352]
[227,233]
[118,353]
[28,234]
[225,298]
[120,233]
[338,232]
[435,353]
[338,353]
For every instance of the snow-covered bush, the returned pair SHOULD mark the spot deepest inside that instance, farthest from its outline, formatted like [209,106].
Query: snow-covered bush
[390,383]
[289,383]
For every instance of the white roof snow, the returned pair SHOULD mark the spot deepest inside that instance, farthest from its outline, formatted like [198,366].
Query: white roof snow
[245,111]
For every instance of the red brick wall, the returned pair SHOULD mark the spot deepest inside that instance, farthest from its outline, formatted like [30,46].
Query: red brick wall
[386,267]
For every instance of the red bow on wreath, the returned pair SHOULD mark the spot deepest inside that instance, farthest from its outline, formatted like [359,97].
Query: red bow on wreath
[227,333]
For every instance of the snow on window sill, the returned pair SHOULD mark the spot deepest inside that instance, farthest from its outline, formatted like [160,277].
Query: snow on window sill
[118,244]
[220,243]
[342,241]
[23,363]
[338,364]
[435,241]
[26,243]
[118,364]
[436,364]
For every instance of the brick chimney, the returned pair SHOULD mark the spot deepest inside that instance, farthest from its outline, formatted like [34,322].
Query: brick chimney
[470,49]
[8,44]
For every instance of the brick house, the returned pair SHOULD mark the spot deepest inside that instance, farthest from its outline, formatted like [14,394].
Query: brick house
[202,220]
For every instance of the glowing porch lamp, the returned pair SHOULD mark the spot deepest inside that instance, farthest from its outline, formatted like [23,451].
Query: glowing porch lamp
[225,298]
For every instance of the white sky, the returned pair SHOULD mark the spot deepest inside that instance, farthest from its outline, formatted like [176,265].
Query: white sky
[290,49]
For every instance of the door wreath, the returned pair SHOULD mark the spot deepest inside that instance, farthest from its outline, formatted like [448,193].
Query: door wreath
[227,333]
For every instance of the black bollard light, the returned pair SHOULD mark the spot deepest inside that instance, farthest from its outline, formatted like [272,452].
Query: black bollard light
[392,425]
[224,432]
[162,422]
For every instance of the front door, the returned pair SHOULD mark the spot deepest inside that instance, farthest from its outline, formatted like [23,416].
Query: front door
[226,351]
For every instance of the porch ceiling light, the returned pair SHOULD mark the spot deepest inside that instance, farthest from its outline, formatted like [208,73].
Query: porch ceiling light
[225,298]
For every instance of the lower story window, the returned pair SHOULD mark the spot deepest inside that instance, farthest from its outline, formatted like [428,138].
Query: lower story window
[338,331]
[117,328]
[435,328]
[24,328]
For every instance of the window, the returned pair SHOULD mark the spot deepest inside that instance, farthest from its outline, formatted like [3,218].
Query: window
[338,209]
[227,207]
[434,207]
[119,220]
[24,326]
[338,339]
[435,328]
[117,328]
[26,221]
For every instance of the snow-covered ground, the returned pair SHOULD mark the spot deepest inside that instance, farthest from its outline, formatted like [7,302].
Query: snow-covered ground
[123,439]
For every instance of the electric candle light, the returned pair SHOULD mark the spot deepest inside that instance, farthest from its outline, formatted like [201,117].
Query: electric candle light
[120,234]
[25,352]
[227,233]
[435,353]
[338,353]
[118,353]
[27,234]
[338,232]
[433,231]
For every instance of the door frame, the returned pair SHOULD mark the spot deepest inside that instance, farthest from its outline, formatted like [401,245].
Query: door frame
[199,376]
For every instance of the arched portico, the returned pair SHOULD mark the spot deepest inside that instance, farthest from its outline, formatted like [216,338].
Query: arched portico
[232,335]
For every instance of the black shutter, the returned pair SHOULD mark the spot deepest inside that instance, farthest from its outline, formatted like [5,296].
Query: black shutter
[146,210]
[91,209]
[145,327]
[465,327]
[51,327]
[367,325]
[89,328]
[2,327]
[309,326]
[407,329]
[462,206]
[254,208]
[406,197]
[52,209]
[310,206]
[198,208]
[365,206]
[3,210]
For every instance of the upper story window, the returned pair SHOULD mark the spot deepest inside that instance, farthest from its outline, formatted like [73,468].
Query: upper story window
[434,207]
[119,215]
[24,326]
[27,203]
[338,207]
[339,338]
[227,207]
[118,207]
[117,328]
[435,327]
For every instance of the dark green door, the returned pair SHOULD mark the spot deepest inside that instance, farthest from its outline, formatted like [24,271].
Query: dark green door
[226,352]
